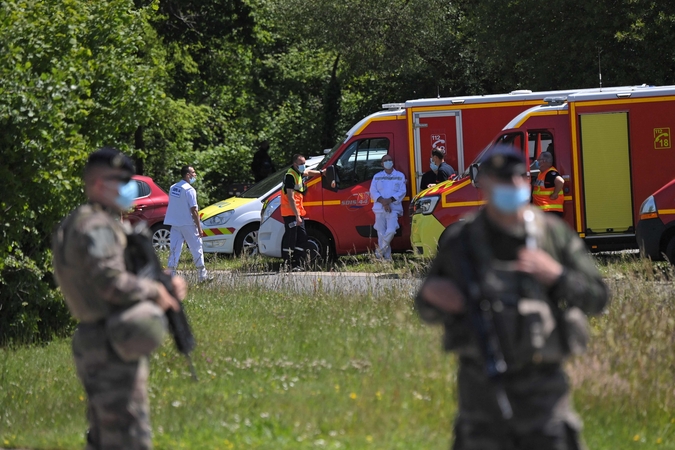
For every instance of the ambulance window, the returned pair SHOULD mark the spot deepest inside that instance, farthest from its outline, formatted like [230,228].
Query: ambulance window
[361,161]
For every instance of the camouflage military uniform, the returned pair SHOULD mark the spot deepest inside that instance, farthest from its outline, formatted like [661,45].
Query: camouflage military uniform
[119,326]
[536,388]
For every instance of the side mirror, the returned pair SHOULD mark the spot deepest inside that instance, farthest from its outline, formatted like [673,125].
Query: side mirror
[327,151]
[473,173]
[330,179]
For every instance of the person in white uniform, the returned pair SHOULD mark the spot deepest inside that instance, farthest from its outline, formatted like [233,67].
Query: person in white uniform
[387,191]
[182,215]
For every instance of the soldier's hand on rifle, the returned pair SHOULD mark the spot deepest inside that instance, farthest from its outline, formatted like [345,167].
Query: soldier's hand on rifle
[179,287]
[444,295]
[540,265]
[166,300]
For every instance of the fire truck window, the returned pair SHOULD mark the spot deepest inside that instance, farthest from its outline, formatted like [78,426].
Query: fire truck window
[539,141]
[514,140]
[361,161]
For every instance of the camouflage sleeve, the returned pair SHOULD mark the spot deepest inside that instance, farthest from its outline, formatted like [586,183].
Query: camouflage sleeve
[106,267]
[580,284]
[443,267]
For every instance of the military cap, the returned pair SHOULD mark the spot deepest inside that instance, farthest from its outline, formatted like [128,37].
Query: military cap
[110,157]
[504,163]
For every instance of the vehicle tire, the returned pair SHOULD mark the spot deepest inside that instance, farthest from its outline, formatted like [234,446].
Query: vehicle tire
[246,241]
[670,250]
[319,250]
[161,237]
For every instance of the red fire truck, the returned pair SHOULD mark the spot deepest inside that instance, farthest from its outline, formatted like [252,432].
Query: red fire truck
[612,147]
[339,218]
[656,228]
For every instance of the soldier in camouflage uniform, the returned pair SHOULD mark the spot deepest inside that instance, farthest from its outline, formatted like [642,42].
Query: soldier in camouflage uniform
[524,278]
[121,316]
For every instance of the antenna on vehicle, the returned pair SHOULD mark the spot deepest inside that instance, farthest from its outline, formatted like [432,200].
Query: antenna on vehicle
[599,68]
[438,91]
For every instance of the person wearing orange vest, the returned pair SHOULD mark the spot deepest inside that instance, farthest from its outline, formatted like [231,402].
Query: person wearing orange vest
[293,212]
[547,192]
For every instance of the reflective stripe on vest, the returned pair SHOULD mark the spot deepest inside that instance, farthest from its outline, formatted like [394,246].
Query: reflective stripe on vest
[298,190]
[541,196]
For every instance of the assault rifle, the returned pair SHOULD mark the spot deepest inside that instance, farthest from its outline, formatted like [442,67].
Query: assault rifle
[481,310]
[143,261]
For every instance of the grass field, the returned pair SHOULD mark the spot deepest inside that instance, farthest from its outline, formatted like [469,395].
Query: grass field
[283,370]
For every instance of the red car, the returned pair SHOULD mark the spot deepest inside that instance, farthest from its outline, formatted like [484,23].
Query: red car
[150,207]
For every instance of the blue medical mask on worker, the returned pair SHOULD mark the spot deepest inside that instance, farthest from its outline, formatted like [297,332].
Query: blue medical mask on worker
[192,180]
[126,194]
[508,198]
[301,168]
[388,164]
[433,165]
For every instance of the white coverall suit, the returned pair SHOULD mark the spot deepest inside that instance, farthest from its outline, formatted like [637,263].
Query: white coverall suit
[182,198]
[387,185]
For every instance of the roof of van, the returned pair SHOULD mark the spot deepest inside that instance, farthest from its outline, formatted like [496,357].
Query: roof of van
[519,95]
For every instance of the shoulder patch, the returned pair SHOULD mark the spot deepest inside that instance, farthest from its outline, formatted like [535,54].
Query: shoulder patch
[102,242]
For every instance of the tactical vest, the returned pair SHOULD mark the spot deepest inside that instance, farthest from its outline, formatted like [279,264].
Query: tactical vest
[298,191]
[541,196]
[531,328]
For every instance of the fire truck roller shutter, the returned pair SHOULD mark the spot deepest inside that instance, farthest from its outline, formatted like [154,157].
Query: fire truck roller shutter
[606,169]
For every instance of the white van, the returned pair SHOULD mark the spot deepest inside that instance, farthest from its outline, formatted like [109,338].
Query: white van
[231,225]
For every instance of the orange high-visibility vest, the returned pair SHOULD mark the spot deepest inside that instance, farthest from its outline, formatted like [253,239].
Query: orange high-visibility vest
[541,196]
[298,191]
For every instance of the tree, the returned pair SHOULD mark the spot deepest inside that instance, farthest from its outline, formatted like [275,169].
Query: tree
[72,77]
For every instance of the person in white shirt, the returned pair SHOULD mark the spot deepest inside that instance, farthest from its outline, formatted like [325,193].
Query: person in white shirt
[182,215]
[387,191]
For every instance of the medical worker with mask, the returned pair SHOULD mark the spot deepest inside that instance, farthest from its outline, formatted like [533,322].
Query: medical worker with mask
[182,215]
[387,191]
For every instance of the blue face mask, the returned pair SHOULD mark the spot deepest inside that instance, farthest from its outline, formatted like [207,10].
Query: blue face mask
[301,168]
[127,193]
[192,180]
[388,164]
[433,166]
[509,199]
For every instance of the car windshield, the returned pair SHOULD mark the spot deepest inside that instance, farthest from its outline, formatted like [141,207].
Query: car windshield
[329,155]
[264,186]
[508,140]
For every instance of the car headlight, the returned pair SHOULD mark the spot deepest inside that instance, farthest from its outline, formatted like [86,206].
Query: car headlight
[426,205]
[218,219]
[648,209]
[269,209]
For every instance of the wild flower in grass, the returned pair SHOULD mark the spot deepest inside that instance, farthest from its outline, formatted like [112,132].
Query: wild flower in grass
[659,441]
[636,437]
[378,395]
[353,396]
[369,439]
[337,388]
[228,444]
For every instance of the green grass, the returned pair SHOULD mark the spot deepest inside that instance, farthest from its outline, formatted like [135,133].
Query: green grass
[280,370]
[403,264]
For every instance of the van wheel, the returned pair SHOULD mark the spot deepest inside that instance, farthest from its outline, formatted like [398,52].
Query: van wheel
[670,251]
[246,241]
[319,252]
[161,237]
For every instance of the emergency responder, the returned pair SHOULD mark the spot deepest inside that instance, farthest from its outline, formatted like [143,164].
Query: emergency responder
[121,316]
[548,187]
[293,212]
[443,170]
[387,190]
[511,286]
[182,215]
